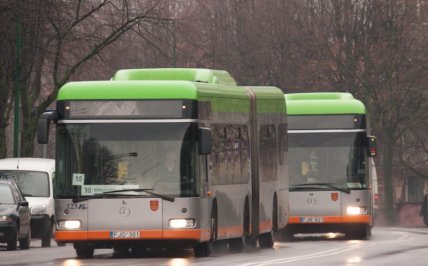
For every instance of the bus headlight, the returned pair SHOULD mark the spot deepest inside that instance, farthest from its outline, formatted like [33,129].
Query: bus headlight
[352,210]
[182,223]
[69,224]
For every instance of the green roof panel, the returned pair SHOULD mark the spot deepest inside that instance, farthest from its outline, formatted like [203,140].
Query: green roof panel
[188,74]
[100,90]
[323,103]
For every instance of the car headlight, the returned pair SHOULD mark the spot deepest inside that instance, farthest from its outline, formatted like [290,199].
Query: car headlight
[41,209]
[69,224]
[353,210]
[181,223]
[5,219]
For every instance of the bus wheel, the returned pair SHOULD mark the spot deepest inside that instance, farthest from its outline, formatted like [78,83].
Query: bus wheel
[287,234]
[121,251]
[266,240]
[204,249]
[83,250]
[362,232]
[248,242]
[236,244]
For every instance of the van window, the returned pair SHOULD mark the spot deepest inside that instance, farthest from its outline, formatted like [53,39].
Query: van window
[31,183]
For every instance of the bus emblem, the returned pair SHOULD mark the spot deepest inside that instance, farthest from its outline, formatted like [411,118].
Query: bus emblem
[154,205]
[334,196]
[124,211]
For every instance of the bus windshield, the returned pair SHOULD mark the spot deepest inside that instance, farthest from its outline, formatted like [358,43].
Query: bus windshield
[95,158]
[328,158]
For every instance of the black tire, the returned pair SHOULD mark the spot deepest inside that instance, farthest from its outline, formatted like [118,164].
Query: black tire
[12,243]
[236,245]
[362,232]
[46,239]
[83,250]
[121,251]
[266,240]
[248,242]
[25,243]
[287,234]
[204,249]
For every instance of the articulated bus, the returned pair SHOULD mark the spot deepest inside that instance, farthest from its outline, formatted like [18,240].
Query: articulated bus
[158,158]
[329,168]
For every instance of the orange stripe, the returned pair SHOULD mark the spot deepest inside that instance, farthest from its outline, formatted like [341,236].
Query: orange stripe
[195,234]
[230,231]
[265,226]
[357,219]
[335,219]
[237,230]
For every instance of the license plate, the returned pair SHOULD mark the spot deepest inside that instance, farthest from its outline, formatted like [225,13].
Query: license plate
[125,234]
[311,219]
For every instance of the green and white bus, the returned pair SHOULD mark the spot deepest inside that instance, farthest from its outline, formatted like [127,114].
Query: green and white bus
[168,158]
[329,150]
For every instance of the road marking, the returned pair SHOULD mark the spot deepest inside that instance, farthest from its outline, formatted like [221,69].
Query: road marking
[354,245]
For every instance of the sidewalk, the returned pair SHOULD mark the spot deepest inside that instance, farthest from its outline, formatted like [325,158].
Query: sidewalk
[407,216]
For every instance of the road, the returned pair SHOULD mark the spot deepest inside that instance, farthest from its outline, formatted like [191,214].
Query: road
[388,246]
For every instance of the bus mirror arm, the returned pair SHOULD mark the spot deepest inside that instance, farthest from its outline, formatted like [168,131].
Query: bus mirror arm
[43,126]
[205,141]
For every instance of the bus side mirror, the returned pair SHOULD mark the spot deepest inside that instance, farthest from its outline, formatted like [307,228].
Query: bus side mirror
[43,126]
[205,141]
[372,146]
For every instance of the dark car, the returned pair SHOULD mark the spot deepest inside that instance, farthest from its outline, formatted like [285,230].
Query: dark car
[15,216]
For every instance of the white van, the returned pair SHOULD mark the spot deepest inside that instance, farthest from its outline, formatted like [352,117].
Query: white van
[34,177]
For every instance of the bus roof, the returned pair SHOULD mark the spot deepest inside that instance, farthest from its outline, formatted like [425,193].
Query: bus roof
[127,90]
[169,90]
[152,83]
[188,74]
[323,103]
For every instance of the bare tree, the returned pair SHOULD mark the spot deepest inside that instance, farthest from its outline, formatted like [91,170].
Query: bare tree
[7,71]
[68,34]
[375,51]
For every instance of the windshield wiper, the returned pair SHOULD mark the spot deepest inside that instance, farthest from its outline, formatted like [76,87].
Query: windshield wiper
[111,193]
[330,185]
[147,190]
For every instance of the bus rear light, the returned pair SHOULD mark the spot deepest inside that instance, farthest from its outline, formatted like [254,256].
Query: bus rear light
[181,223]
[356,210]
[69,224]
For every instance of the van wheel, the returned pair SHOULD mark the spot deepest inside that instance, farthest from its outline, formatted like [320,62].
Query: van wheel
[46,240]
